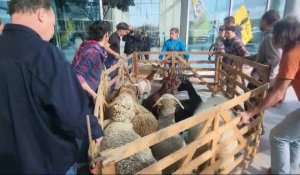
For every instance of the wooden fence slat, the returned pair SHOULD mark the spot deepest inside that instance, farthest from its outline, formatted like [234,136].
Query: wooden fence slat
[113,81]
[245,61]
[182,152]
[201,134]
[237,162]
[216,124]
[198,143]
[227,117]
[113,68]
[151,139]
[250,79]
[109,157]
[177,53]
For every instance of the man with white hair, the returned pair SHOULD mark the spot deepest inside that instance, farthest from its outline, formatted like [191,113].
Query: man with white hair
[42,105]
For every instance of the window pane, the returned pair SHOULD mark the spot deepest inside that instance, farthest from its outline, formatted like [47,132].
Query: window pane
[255,8]
[144,16]
[278,5]
[73,20]
[3,12]
[205,17]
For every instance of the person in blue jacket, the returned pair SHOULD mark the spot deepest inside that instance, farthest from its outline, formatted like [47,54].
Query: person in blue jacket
[174,44]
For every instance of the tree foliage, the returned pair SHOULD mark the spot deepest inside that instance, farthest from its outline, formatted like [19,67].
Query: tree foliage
[120,4]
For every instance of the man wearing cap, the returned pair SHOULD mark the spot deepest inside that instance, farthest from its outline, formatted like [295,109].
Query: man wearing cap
[114,48]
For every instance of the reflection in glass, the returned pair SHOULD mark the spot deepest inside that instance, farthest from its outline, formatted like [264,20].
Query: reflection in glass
[144,16]
[73,20]
[4,11]
[278,5]
[205,17]
[255,8]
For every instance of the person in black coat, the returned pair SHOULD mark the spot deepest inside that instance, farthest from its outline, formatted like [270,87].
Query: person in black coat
[133,41]
[146,44]
[42,105]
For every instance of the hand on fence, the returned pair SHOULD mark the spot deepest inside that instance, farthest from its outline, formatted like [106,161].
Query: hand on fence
[98,141]
[119,57]
[245,117]
[95,98]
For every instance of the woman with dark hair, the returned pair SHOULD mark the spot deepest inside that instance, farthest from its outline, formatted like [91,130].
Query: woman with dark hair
[89,59]
[285,137]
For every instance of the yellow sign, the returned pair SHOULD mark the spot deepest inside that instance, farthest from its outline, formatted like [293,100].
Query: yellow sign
[194,2]
[242,19]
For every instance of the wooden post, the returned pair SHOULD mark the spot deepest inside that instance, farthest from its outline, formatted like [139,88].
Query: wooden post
[135,65]
[109,169]
[217,74]
[216,123]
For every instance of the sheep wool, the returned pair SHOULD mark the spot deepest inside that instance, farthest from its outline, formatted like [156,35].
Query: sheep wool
[118,134]
[122,108]
[144,122]
[144,87]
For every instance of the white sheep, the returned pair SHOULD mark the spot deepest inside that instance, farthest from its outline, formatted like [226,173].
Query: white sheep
[118,134]
[167,106]
[144,87]
[194,131]
[144,122]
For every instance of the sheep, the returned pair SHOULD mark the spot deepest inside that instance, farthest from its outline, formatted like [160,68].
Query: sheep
[214,101]
[194,131]
[191,104]
[167,106]
[118,134]
[169,85]
[144,85]
[144,122]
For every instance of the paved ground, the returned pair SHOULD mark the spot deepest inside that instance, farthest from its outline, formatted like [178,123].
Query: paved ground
[272,117]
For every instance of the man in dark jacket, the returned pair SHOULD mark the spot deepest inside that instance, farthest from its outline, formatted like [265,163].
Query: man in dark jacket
[114,49]
[146,44]
[133,42]
[42,105]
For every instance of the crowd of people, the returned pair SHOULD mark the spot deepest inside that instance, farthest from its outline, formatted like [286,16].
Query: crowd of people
[44,100]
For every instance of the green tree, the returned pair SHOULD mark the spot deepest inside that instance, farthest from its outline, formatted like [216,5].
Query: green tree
[120,4]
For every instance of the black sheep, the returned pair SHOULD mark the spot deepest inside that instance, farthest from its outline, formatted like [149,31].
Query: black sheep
[189,105]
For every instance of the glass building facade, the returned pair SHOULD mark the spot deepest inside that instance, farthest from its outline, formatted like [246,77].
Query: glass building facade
[72,21]
[156,17]
[205,16]
[144,16]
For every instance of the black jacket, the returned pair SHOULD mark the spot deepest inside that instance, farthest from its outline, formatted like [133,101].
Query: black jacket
[133,43]
[42,105]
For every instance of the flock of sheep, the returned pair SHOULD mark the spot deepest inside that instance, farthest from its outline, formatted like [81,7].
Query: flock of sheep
[133,117]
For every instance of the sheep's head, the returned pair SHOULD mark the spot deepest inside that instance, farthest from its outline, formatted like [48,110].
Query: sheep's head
[144,87]
[167,105]
[130,89]
[122,109]
[169,84]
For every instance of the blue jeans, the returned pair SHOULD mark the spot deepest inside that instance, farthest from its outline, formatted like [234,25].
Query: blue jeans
[285,145]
